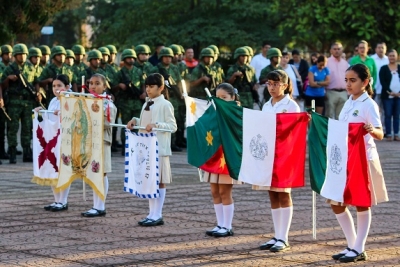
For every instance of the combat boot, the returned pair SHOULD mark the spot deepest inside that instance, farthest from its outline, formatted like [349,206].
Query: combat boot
[3,153]
[27,154]
[12,150]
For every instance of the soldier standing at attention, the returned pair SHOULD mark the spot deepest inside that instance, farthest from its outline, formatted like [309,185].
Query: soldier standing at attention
[21,101]
[110,71]
[172,79]
[6,56]
[251,53]
[70,58]
[113,55]
[142,61]
[79,66]
[44,60]
[94,58]
[203,75]
[242,77]
[51,71]
[131,91]
[34,59]
[274,55]
[216,66]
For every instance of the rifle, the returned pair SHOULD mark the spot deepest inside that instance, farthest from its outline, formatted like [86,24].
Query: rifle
[170,83]
[133,90]
[254,93]
[212,84]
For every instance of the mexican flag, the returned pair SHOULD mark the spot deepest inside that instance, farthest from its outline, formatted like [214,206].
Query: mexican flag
[338,161]
[203,138]
[265,149]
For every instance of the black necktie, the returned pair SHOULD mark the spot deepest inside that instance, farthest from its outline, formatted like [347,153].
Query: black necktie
[149,103]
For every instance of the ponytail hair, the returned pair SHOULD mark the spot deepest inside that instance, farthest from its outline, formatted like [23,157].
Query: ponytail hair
[281,76]
[364,74]
[227,87]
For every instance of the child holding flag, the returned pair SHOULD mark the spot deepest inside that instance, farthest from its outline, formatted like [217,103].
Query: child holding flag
[361,108]
[157,112]
[60,84]
[97,86]
[281,101]
[221,184]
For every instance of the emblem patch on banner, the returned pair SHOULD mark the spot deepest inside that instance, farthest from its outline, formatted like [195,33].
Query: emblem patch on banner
[258,147]
[335,159]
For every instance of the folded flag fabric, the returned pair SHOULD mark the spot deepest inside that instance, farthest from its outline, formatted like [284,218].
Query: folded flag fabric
[338,161]
[203,138]
[261,148]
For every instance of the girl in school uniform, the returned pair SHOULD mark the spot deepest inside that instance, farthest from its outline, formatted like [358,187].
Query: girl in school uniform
[60,83]
[221,184]
[157,112]
[98,85]
[361,108]
[279,86]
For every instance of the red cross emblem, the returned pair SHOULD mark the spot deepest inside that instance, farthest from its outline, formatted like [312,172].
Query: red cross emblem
[47,147]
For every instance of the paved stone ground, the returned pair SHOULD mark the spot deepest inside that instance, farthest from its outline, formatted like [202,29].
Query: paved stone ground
[30,236]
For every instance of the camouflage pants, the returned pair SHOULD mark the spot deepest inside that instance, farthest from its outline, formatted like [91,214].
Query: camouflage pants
[129,108]
[20,109]
[246,100]
[3,123]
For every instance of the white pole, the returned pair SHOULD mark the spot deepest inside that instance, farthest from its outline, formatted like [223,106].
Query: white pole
[314,196]
[83,182]
[139,127]
[184,88]
[209,95]
[83,83]
[84,94]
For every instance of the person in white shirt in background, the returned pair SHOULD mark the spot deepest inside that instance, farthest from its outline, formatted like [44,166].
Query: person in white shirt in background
[294,76]
[380,59]
[258,62]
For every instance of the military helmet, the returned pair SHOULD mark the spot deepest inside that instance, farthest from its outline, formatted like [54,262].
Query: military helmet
[142,49]
[112,48]
[128,53]
[70,53]
[214,48]
[251,52]
[20,49]
[57,50]
[45,50]
[182,49]
[176,49]
[78,50]
[5,49]
[34,52]
[207,52]
[94,54]
[104,50]
[241,51]
[166,52]
[274,52]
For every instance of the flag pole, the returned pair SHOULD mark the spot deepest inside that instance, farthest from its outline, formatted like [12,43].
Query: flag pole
[314,204]
[83,181]
[209,95]
[139,127]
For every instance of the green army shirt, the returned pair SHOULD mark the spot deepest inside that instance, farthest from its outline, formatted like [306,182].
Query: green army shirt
[17,87]
[245,83]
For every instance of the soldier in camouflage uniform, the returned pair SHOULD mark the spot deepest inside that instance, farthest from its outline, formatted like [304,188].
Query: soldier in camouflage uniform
[51,71]
[274,55]
[44,60]
[6,56]
[34,57]
[79,66]
[203,75]
[216,66]
[70,58]
[110,71]
[183,70]
[113,55]
[242,77]
[251,53]
[94,59]
[172,82]
[129,100]
[17,79]
[143,52]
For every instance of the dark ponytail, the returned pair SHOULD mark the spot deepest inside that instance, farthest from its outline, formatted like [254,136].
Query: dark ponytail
[364,74]
[281,76]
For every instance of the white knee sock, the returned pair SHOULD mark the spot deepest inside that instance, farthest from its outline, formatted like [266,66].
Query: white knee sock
[152,205]
[55,194]
[276,219]
[346,222]
[64,195]
[219,212]
[228,215]
[286,221]
[363,224]
[98,203]
[159,204]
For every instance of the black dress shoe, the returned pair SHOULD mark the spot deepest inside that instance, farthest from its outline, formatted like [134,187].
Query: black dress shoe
[98,213]
[339,255]
[114,149]
[48,207]
[223,232]
[211,232]
[279,248]
[59,207]
[267,246]
[176,149]
[151,222]
[358,257]
[143,220]
[4,156]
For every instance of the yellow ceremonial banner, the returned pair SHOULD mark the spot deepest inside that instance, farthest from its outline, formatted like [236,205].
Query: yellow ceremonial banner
[82,121]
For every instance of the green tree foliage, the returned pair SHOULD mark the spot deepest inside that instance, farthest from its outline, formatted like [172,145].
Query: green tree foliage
[316,23]
[197,23]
